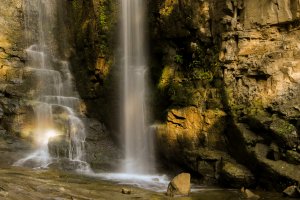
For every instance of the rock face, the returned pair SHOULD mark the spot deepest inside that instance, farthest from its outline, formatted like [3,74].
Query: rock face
[235,175]
[92,27]
[12,77]
[93,24]
[180,185]
[17,84]
[236,61]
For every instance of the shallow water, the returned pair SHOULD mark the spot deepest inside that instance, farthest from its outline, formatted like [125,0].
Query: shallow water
[156,183]
[27,184]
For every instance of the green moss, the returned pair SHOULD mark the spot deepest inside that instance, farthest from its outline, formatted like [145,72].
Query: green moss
[168,7]
[166,77]
[183,94]
[200,74]
[107,21]
[282,127]
[178,59]
[102,17]
[206,58]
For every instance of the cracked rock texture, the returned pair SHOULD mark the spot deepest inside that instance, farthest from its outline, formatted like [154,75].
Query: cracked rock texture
[13,83]
[229,72]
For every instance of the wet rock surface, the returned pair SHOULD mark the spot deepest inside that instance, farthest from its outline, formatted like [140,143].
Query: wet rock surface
[102,153]
[12,149]
[36,184]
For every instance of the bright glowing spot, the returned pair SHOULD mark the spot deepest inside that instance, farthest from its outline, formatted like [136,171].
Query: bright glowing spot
[48,135]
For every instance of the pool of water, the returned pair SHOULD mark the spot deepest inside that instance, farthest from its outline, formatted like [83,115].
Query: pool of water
[159,184]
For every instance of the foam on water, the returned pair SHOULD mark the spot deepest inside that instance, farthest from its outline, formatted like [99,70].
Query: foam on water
[158,183]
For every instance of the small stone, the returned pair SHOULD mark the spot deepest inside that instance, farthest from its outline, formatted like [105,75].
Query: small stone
[126,191]
[180,185]
[291,191]
[248,194]
[155,179]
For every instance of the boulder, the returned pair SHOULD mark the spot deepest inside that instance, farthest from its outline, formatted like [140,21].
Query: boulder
[291,191]
[248,194]
[180,185]
[285,133]
[236,175]
[293,157]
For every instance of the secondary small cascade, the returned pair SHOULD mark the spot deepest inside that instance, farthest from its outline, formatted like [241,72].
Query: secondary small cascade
[59,133]
[135,125]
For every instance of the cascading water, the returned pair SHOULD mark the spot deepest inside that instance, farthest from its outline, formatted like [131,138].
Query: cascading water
[57,106]
[138,140]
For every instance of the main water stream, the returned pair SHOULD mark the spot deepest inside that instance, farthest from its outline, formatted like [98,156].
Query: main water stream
[138,167]
[139,154]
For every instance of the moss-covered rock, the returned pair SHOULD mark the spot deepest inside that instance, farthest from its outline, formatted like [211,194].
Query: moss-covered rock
[293,157]
[285,133]
[235,175]
[93,28]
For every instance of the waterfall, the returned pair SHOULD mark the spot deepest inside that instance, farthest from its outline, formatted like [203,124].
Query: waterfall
[138,140]
[58,132]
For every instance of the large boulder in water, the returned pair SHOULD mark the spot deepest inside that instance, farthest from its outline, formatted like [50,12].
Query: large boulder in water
[180,185]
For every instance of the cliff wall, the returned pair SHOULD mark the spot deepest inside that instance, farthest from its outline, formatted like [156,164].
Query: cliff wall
[226,74]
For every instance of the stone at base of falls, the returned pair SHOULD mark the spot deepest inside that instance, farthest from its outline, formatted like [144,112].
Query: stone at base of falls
[248,194]
[180,185]
[66,164]
[126,191]
[292,191]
